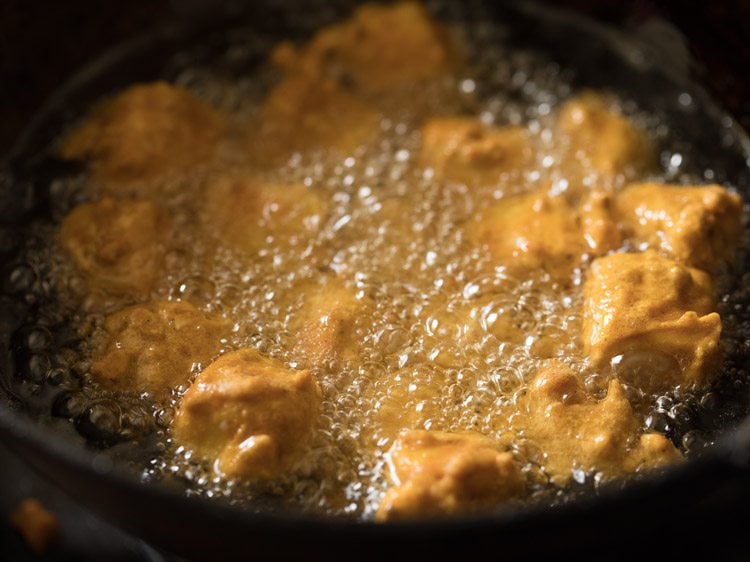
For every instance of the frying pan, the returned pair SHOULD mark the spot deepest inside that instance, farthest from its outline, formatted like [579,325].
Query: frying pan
[678,508]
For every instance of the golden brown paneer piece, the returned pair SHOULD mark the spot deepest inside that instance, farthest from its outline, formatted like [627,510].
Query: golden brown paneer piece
[244,211]
[118,245]
[699,226]
[379,49]
[324,328]
[155,348]
[248,415]
[305,111]
[442,474]
[462,149]
[654,313]
[518,232]
[145,132]
[577,432]
[599,137]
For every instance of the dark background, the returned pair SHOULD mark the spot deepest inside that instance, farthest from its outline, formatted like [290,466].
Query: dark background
[44,41]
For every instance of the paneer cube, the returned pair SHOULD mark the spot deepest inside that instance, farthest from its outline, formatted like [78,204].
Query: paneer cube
[379,49]
[653,319]
[156,348]
[441,474]
[118,245]
[145,132]
[325,327]
[599,137]
[577,432]
[517,233]
[244,211]
[307,112]
[699,226]
[248,415]
[462,149]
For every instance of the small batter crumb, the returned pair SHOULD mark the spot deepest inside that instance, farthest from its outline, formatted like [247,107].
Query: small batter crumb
[37,526]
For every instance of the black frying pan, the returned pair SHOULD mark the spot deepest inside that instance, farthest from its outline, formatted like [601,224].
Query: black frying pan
[702,498]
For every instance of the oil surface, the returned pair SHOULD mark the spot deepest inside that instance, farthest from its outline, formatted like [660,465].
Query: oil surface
[396,236]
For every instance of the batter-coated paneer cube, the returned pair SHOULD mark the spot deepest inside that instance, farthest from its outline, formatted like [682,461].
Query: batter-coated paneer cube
[118,245]
[699,226]
[248,415]
[306,112]
[379,49]
[517,232]
[325,327]
[442,474]
[155,348]
[462,149]
[145,132]
[600,137]
[577,432]
[245,211]
[653,319]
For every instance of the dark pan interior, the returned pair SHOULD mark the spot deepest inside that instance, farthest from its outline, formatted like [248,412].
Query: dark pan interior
[685,498]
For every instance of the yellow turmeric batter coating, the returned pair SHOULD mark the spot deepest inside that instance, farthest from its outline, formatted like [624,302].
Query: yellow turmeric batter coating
[325,328]
[576,432]
[244,212]
[657,315]
[462,149]
[156,348]
[379,49]
[538,232]
[441,474]
[699,226]
[145,132]
[249,415]
[118,245]
[600,138]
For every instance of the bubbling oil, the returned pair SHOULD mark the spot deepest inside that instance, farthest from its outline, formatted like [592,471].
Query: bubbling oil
[394,235]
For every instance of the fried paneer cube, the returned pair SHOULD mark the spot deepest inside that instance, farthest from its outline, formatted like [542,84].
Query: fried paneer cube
[600,138]
[442,474]
[325,326]
[146,131]
[518,232]
[248,415]
[699,226]
[462,149]
[576,432]
[305,112]
[379,49]
[119,245]
[653,318]
[155,348]
[245,211]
